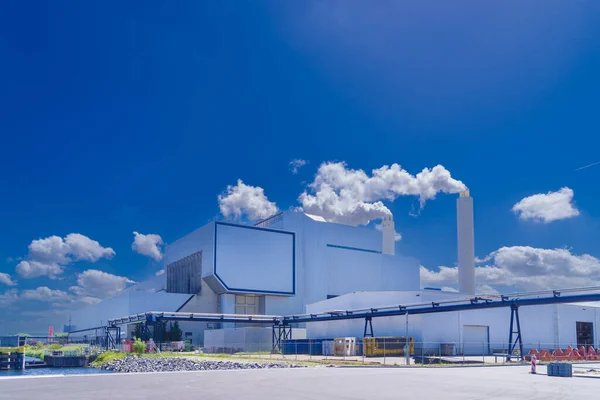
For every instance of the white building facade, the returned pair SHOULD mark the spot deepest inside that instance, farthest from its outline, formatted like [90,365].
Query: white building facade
[287,261]
[470,332]
[296,263]
[274,268]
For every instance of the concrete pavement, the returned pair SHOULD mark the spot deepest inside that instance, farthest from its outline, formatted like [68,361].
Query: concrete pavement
[511,382]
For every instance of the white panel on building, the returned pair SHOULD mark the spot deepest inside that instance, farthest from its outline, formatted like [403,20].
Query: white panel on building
[476,339]
[352,269]
[254,260]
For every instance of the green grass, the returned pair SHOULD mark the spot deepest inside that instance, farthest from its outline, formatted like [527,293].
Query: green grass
[40,349]
[107,357]
[74,347]
[33,352]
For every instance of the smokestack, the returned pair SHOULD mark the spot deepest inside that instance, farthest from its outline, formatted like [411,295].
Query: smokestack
[466,243]
[388,234]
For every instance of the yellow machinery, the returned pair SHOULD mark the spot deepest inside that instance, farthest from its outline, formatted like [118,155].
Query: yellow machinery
[12,358]
[387,346]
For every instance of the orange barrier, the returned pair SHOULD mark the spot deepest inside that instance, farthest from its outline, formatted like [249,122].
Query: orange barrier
[591,354]
[545,355]
[569,354]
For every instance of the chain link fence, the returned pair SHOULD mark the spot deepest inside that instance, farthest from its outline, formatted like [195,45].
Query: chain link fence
[384,351]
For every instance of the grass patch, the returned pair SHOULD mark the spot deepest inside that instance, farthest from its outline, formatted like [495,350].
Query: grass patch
[34,352]
[107,357]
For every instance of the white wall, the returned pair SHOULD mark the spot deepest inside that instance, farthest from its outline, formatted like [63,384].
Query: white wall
[323,270]
[385,326]
[537,322]
[254,260]
[98,314]
[124,304]
[352,270]
[243,339]
[205,302]
[569,315]
[199,240]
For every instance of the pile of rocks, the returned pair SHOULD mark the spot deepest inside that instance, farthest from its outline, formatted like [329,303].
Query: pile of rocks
[160,364]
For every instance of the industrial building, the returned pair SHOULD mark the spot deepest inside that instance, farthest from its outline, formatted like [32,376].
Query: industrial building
[296,263]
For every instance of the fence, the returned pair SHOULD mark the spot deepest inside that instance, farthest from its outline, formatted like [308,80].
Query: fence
[391,351]
[385,351]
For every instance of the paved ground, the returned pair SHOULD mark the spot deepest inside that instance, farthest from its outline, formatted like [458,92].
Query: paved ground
[488,383]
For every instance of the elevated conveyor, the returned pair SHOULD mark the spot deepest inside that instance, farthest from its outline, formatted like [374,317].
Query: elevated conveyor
[282,324]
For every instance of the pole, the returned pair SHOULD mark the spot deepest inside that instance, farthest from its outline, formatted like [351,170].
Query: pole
[407,343]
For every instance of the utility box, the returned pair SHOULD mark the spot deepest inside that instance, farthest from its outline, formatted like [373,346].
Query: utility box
[560,369]
[344,347]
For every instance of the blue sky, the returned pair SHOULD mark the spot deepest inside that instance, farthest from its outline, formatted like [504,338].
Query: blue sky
[123,117]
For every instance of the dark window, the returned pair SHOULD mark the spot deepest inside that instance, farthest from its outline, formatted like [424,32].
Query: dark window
[585,334]
[331,296]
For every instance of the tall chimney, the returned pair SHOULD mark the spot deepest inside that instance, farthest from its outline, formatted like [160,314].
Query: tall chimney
[388,234]
[466,243]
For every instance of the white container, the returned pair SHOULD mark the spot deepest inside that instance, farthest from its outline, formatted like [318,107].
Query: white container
[345,347]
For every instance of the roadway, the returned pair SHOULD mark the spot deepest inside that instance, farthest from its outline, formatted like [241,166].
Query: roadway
[448,383]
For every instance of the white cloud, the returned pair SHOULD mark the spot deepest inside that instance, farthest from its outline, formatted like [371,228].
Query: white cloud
[445,276]
[44,293]
[48,256]
[160,272]
[397,236]
[148,245]
[296,164]
[82,248]
[244,200]
[88,300]
[482,260]
[33,269]
[6,279]
[552,206]
[99,284]
[449,289]
[44,314]
[52,249]
[526,268]
[352,197]
[486,289]
[9,297]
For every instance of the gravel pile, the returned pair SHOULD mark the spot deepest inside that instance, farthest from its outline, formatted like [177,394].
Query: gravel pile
[140,364]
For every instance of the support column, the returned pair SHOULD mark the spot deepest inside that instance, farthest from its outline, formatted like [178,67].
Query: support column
[281,333]
[227,307]
[368,332]
[514,316]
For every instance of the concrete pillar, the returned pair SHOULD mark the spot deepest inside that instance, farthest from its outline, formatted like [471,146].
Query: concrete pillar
[227,302]
[466,243]
[388,235]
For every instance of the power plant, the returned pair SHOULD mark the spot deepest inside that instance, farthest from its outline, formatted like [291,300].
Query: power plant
[294,264]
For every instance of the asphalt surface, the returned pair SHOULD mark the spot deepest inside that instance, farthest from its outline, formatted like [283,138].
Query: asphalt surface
[310,383]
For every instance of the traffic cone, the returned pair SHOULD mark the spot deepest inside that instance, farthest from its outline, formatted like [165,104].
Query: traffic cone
[533,363]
